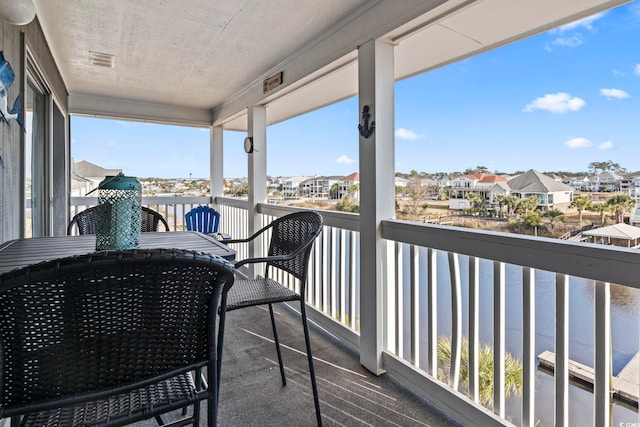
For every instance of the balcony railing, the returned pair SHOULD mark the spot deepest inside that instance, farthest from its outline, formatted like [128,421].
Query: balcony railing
[513,293]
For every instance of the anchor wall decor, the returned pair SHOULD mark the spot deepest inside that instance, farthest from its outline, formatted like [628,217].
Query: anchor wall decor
[366,130]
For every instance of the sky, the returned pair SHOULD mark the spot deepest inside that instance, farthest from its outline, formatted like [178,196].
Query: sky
[557,101]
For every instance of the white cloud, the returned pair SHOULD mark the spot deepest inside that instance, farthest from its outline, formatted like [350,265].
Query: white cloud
[606,145]
[636,70]
[556,103]
[614,93]
[578,143]
[573,41]
[407,134]
[345,160]
[586,23]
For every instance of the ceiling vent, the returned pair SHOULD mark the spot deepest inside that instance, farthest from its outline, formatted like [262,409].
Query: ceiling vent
[102,59]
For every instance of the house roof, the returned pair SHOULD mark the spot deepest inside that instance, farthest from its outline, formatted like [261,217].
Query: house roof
[616,231]
[85,169]
[533,181]
[353,177]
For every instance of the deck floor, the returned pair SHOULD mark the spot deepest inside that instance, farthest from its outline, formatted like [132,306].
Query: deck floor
[251,393]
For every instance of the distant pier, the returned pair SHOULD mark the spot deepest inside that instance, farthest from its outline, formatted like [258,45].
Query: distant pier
[625,385]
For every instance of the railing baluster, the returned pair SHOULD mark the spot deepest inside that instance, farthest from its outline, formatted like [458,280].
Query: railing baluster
[602,356]
[325,273]
[498,338]
[342,283]
[528,347]
[415,305]
[352,279]
[456,320]
[474,328]
[432,318]
[397,300]
[333,256]
[561,374]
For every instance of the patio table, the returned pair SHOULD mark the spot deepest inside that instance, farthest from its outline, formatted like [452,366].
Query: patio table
[21,252]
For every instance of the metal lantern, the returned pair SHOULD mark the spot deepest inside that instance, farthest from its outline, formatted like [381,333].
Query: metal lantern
[119,213]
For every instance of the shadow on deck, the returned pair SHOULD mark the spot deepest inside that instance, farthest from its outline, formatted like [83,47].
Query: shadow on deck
[251,393]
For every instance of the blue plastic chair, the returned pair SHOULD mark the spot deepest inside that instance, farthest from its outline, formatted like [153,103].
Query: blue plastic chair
[204,219]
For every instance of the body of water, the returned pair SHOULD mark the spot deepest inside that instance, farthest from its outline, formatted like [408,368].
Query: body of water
[624,325]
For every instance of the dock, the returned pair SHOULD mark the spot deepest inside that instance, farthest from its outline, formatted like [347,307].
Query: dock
[626,385]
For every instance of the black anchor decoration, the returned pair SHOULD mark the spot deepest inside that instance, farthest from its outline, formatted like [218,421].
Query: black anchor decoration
[366,130]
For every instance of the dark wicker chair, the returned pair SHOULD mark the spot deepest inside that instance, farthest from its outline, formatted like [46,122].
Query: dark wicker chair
[112,338]
[292,237]
[87,220]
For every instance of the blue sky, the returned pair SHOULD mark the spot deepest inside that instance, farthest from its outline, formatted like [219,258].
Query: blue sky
[554,102]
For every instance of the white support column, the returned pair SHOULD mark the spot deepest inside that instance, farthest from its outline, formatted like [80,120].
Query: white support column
[377,195]
[257,172]
[216,162]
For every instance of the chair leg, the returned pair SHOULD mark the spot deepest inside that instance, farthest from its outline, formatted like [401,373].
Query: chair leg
[162,419]
[277,341]
[312,372]
[221,323]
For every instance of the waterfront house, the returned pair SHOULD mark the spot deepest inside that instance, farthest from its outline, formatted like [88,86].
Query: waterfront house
[478,183]
[375,284]
[318,186]
[347,184]
[550,193]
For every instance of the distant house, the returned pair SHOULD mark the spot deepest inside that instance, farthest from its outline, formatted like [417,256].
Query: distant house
[478,183]
[401,182]
[609,181]
[290,186]
[347,183]
[579,183]
[318,186]
[85,176]
[550,193]
[628,181]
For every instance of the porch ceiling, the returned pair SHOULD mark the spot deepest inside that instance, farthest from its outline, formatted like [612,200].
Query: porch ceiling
[203,61]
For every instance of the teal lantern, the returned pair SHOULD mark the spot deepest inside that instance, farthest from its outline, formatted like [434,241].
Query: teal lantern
[119,213]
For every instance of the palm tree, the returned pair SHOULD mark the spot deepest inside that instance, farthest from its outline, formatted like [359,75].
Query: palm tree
[334,190]
[602,209]
[620,203]
[581,203]
[553,215]
[511,202]
[512,369]
[474,199]
[499,199]
[528,204]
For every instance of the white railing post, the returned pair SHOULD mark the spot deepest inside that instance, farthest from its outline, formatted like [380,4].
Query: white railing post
[216,162]
[257,177]
[377,192]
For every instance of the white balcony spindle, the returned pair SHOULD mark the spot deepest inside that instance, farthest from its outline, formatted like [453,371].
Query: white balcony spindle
[602,362]
[396,306]
[432,319]
[498,337]
[456,320]
[528,347]
[562,351]
[334,272]
[474,328]
[342,282]
[352,279]
[415,304]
